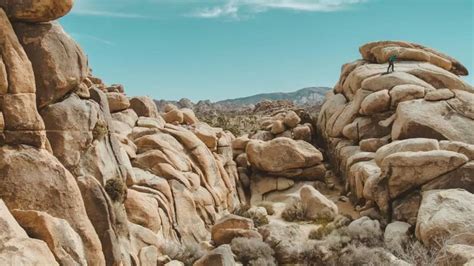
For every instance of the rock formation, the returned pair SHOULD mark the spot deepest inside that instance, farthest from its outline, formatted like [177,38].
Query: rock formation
[396,138]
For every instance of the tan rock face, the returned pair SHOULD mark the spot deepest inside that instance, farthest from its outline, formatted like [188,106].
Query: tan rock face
[221,256]
[406,92]
[143,210]
[282,154]
[316,205]
[17,247]
[17,92]
[376,102]
[108,218]
[438,95]
[52,189]
[14,106]
[36,11]
[417,144]
[144,106]
[437,120]
[291,119]
[16,71]
[278,127]
[206,134]
[443,214]
[62,240]
[174,116]
[232,226]
[380,51]
[58,62]
[117,101]
[407,170]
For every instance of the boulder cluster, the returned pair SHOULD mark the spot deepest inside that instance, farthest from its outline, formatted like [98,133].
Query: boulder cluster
[89,176]
[403,141]
[279,154]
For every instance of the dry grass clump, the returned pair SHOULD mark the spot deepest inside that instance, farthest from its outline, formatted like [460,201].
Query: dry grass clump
[258,218]
[187,253]
[268,205]
[252,252]
[294,212]
[100,130]
[116,189]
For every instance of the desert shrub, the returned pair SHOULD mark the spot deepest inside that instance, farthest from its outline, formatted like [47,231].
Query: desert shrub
[242,210]
[268,205]
[362,255]
[320,232]
[186,253]
[416,253]
[294,211]
[116,189]
[251,251]
[100,130]
[246,211]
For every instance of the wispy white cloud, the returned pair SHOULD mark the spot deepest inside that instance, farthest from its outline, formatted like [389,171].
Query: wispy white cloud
[106,8]
[81,36]
[100,13]
[237,8]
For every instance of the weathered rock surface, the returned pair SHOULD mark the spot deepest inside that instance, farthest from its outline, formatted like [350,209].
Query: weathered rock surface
[230,227]
[316,205]
[58,62]
[62,240]
[282,154]
[21,122]
[221,256]
[16,247]
[52,189]
[443,214]
[36,11]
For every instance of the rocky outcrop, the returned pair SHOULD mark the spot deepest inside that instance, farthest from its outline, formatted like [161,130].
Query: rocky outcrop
[88,137]
[413,127]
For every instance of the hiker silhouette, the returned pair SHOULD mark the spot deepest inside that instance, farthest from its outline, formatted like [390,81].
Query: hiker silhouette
[391,63]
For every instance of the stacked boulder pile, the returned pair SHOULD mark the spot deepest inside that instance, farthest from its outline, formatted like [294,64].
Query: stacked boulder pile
[89,176]
[403,141]
[279,154]
[283,122]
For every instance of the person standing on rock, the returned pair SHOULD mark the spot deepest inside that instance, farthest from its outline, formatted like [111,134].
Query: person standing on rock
[391,63]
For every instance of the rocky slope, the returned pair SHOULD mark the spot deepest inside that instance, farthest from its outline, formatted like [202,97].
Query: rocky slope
[89,176]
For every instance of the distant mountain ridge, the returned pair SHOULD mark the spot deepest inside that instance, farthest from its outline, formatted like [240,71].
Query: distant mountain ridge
[305,96]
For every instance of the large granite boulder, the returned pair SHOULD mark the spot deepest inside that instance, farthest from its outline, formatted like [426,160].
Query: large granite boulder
[16,247]
[406,170]
[36,10]
[442,120]
[282,154]
[62,240]
[444,214]
[21,122]
[35,180]
[58,62]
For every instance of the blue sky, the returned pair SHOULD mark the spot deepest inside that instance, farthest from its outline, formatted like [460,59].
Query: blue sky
[219,49]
